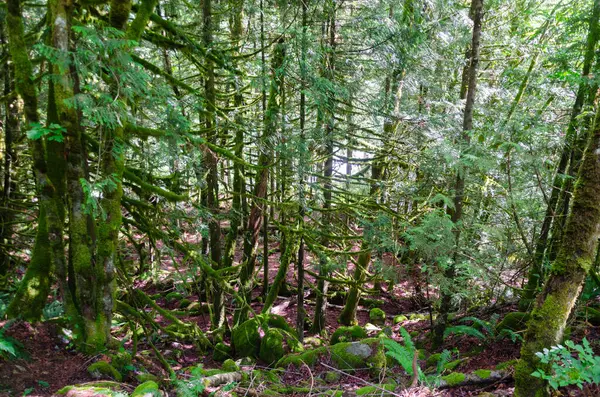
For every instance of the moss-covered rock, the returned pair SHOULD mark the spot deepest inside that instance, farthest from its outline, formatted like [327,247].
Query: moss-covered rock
[246,338]
[348,334]
[277,343]
[147,389]
[222,352]
[400,319]
[376,391]
[146,376]
[230,366]
[483,373]
[368,353]
[102,369]
[516,321]
[101,388]
[454,378]
[433,360]
[377,316]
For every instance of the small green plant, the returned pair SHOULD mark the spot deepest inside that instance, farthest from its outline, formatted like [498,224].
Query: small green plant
[405,354]
[482,329]
[9,347]
[52,310]
[193,386]
[53,132]
[571,364]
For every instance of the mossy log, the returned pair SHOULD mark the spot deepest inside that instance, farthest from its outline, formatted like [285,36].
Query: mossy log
[479,377]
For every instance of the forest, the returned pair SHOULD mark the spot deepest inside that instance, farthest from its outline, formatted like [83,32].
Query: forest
[299,198]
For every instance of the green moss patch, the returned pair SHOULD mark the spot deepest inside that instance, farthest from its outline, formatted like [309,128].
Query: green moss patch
[454,378]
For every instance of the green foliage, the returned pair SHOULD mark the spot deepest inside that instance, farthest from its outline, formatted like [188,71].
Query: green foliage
[571,364]
[93,191]
[53,132]
[9,347]
[403,354]
[192,386]
[483,330]
[52,310]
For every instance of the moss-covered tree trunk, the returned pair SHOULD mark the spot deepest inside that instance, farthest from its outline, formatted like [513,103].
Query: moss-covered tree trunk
[568,273]
[255,219]
[12,126]
[459,185]
[329,120]
[237,211]
[33,290]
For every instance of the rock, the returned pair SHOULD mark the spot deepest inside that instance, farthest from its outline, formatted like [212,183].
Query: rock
[400,319]
[102,369]
[230,366]
[516,322]
[348,334]
[433,360]
[90,389]
[146,376]
[368,353]
[147,389]
[377,316]
[222,352]
[246,338]
[277,343]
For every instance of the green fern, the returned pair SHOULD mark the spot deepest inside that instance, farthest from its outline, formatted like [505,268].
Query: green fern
[464,330]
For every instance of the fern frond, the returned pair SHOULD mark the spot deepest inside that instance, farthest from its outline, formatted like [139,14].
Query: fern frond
[464,330]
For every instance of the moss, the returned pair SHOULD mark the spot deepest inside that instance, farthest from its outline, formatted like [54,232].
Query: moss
[433,360]
[246,338]
[483,373]
[454,378]
[222,352]
[184,303]
[230,366]
[418,317]
[452,364]
[376,391]
[507,364]
[308,357]
[271,348]
[348,334]
[400,319]
[33,290]
[367,353]
[173,296]
[147,389]
[121,360]
[332,376]
[377,316]
[146,376]
[101,369]
[94,388]
[516,321]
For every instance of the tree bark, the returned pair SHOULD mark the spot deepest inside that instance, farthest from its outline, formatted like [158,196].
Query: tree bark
[568,273]
[459,185]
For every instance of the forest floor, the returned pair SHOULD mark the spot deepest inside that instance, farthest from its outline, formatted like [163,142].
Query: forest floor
[48,362]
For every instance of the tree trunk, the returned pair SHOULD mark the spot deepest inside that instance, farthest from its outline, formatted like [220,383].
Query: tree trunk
[534,279]
[459,185]
[569,270]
